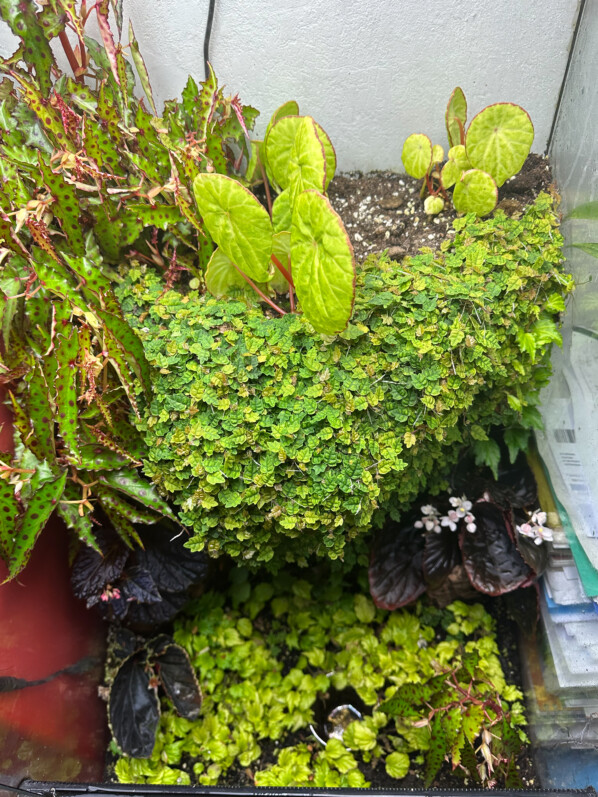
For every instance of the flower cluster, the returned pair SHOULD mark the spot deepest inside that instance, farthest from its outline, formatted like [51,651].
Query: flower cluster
[535,528]
[461,510]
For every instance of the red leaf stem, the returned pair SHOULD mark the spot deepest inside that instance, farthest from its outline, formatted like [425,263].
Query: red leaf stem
[260,292]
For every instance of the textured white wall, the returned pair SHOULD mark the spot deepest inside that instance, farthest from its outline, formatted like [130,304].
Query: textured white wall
[370,72]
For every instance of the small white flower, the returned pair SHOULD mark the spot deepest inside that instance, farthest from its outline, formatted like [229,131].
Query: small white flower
[428,509]
[418,524]
[450,520]
[535,529]
[460,505]
[526,529]
[539,518]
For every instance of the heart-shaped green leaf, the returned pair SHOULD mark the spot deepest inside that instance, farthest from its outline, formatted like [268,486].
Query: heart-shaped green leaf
[475,192]
[499,139]
[289,108]
[417,155]
[307,165]
[279,144]
[237,223]
[437,153]
[222,278]
[323,264]
[456,117]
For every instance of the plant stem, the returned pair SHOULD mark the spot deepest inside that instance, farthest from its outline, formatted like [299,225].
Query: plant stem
[68,51]
[260,292]
[285,272]
[266,187]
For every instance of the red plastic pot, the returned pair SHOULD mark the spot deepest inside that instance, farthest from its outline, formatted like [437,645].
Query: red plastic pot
[57,729]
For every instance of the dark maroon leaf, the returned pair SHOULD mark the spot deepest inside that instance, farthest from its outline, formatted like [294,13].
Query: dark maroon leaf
[516,485]
[150,615]
[178,679]
[138,585]
[523,607]
[134,708]
[441,555]
[395,573]
[491,559]
[173,567]
[92,572]
[535,556]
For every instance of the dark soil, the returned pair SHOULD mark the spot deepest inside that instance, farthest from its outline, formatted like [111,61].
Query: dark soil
[383,210]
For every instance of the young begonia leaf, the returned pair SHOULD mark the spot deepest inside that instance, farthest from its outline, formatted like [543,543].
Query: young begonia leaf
[441,555]
[9,512]
[458,154]
[121,524]
[41,505]
[306,168]
[395,572]
[409,698]
[67,352]
[439,748]
[130,483]
[120,363]
[491,559]
[134,708]
[450,174]
[237,223]
[456,117]
[222,278]
[499,139]
[289,108]
[23,22]
[133,513]
[279,144]
[476,192]
[177,676]
[323,263]
[417,155]
[281,212]
[141,69]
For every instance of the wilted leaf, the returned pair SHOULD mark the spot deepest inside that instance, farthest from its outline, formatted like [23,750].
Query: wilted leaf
[456,117]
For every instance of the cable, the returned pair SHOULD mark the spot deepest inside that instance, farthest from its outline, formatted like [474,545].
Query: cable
[206,40]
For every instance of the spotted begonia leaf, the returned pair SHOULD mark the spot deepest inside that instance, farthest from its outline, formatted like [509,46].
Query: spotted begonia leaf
[131,347]
[9,512]
[40,412]
[456,117]
[79,522]
[120,523]
[49,118]
[323,263]
[499,139]
[67,351]
[133,513]
[130,483]
[65,206]
[417,155]
[237,223]
[41,505]
[476,192]
[23,22]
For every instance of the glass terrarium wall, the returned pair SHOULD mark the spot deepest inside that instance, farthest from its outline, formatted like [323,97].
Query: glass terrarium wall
[570,442]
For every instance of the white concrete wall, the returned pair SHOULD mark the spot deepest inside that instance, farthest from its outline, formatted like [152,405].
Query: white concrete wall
[370,71]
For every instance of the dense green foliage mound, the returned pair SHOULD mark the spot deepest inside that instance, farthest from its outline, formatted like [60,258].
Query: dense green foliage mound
[430,681]
[273,439]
